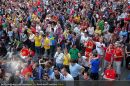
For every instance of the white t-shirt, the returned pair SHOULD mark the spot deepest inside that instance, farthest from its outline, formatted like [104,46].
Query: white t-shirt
[77,30]
[83,38]
[91,30]
[84,62]
[31,37]
[68,78]
[99,48]
[59,57]
[38,28]
[55,28]
[123,15]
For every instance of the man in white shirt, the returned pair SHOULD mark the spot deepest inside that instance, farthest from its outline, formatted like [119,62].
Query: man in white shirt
[77,30]
[106,27]
[84,61]
[100,50]
[84,38]
[67,76]
[99,47]
[90,30]
[59,57]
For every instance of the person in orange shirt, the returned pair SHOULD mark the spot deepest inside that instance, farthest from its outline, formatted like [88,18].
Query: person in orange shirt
[118,57]
[89,47]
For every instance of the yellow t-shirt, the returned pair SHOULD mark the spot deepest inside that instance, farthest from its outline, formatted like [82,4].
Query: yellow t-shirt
[98,31]
[77,19]
[34,16]
[47,43]
[38,41]
[65,33]
[66,59]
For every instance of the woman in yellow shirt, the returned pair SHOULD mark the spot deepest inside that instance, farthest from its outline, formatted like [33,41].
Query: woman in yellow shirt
[98,31]
[46,45]
[38,44]
[66,60]
[77,19]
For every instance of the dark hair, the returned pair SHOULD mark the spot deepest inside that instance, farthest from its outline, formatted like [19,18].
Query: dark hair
[64,68]
[95,53]
[86,73]
[55,68]
[73,61]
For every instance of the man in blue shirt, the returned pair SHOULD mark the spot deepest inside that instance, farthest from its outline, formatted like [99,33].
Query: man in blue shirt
[94,63]
[56,75]
[75,69]
[123,35]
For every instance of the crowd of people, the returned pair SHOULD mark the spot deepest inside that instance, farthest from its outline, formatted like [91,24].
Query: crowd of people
[63,40]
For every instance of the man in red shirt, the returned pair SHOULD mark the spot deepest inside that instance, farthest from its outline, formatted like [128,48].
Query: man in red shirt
[118,56]
[108,56]
[24,52]
[110,73]
[89,47]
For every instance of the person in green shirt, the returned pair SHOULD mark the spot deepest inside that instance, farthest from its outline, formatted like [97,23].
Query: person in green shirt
[101,25]
[74,53]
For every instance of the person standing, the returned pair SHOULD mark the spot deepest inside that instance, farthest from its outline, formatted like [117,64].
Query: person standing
[94,66]
[67,76]
[127,50]
[59,57]
[37,40]
[56,75]
[100,50]
[108,56]
[75,69]
[89,47]
[74,53]
[67,59]
[46,45]
[118,57]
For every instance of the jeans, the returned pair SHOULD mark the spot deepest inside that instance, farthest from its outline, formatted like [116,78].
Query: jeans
[38,50]
[117,66]
[105,65]
[46,53]
[52,50]
[59,65]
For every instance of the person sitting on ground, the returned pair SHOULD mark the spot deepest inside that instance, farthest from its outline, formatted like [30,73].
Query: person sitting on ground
[110,73]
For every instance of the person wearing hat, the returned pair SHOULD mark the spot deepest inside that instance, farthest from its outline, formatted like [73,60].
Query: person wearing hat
[118,57]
